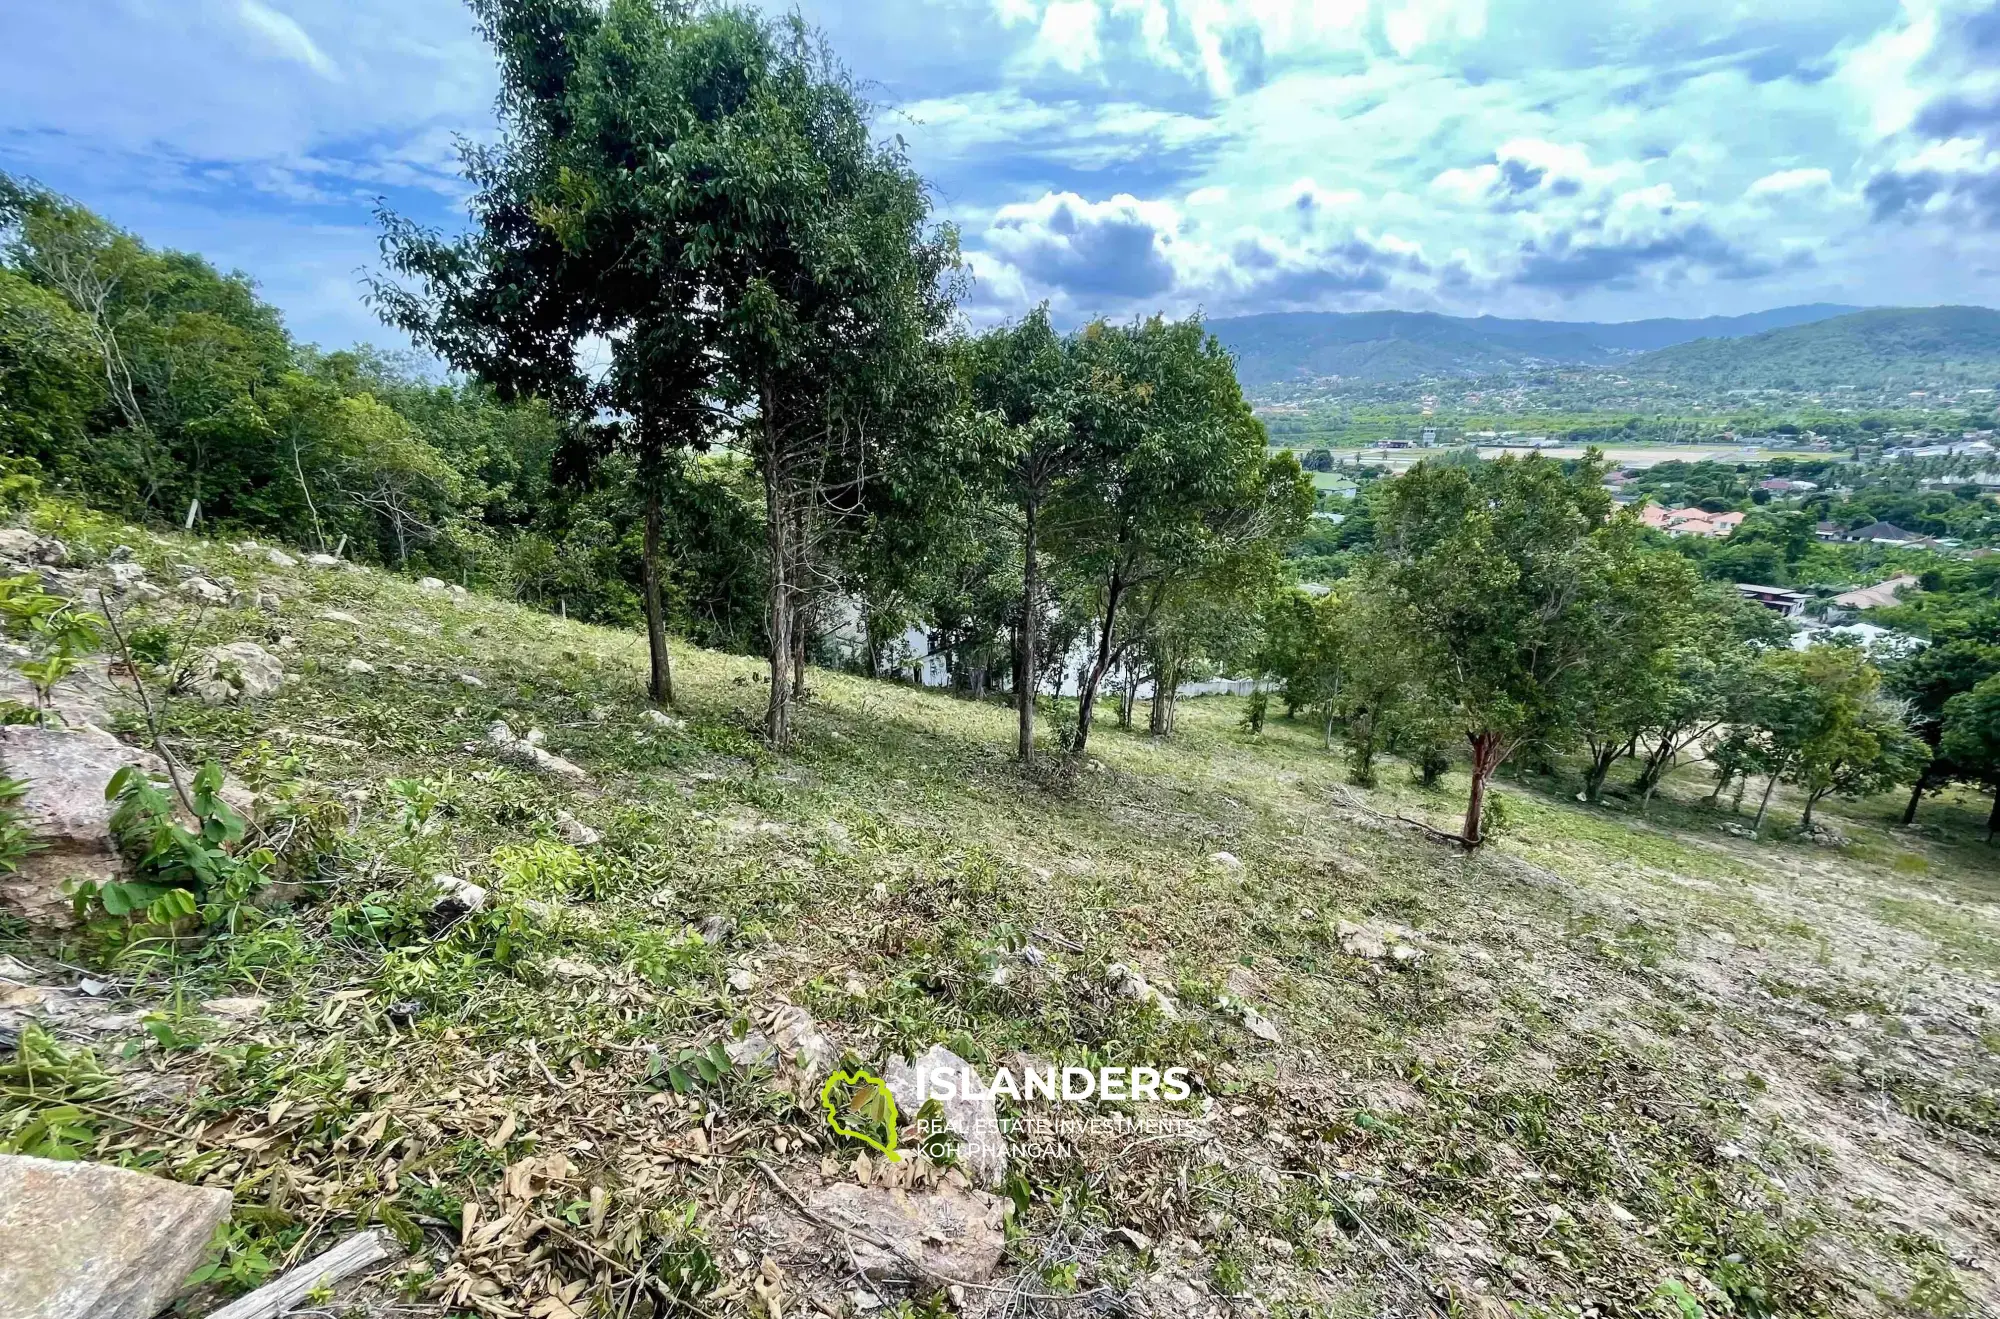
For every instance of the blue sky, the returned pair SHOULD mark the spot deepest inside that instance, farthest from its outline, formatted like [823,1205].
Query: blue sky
[1576,159]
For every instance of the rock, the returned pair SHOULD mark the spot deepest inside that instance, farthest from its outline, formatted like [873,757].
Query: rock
[237,1008]
[575,832]
[1127,982]
[1378,941]
[456,897]
[360,667]
[1253,1021]
[799,1041]
[53,553]
[341,616]
[270,601]
[1735,830]
[471,680]
[64,811]
[1227,860]
[743,980]
[145,591]
[430,585]
[1134,1238]
[322,561]
[715,929]
[525,752]
[1824,835]
[200,588]
[239,671]
[982,1151]
[87,1241]
[280,559]
[126,575]
[952,1234]
[456,591]
[753,1050]
[120,554]
[21,546]
[661,719]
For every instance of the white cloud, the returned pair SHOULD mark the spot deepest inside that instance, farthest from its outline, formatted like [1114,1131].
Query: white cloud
[285,37]
[1789,181]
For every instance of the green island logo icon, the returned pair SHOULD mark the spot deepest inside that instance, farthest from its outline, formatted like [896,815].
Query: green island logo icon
[858,1105]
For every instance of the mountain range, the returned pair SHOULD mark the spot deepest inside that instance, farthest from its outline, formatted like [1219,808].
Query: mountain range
[1817,345]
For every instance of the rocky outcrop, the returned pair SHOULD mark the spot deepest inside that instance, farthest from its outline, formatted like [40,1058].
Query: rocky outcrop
[947,1233]
[239,671]
[64,811]
[528,751]
[982,1151]
[86,1241]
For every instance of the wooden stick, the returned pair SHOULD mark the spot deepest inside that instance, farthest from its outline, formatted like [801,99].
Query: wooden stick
[357,1254]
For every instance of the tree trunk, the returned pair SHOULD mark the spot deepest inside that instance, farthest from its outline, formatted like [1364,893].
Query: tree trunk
[1156,721]
[1916,797]
[661,688]
[1086,701]
[1600,770]
[1993,820]
[1765,804]
[777,525]
[1485,759]
[1024,677]
[801,628]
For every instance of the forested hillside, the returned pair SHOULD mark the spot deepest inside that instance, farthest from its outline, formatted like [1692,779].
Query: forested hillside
[1915,347]
[1291,348]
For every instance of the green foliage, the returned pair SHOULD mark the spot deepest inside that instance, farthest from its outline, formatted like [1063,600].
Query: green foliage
[16,842]
[56,630]
[182,872]
[44,1091]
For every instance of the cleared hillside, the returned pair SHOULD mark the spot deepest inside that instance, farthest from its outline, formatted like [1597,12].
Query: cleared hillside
[1887,346]
[1607,1065]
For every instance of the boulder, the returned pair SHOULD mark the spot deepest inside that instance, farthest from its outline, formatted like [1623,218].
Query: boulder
[125,576]
[200,588]
[238,671]
[982,1151]
[431,585]
[524,751]
[280,559]
[801,1042]
[575,832]
[64,811]
[18,545]
[1129,982]
[360,666]
[951,1234]
[340,616]
[87,1241]
[326,561]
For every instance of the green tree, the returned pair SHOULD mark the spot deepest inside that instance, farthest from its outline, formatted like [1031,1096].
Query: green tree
[1972,740]
[1493,577]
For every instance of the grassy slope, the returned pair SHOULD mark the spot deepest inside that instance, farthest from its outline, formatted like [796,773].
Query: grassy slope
[1635,1053]
[1915,345]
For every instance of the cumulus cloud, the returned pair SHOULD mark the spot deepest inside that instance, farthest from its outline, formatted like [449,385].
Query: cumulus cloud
[1937,80]
[1788,182]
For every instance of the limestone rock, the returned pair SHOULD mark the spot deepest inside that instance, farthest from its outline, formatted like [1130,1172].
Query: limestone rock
[124,576]
[524,751]
[661,719]
[87,1241]
[430,585]
[714,929]
[323,561]
[280,559]
[575,832]
[269,601]
[341,616]
[1378,940]
[456,897]
[982,1151]
[200,588]
[471,680]
[360,667]
[1128,982]
[64,810]
[238,671]
[18,545]
[1227,860]
[800,1041]
[953,1234]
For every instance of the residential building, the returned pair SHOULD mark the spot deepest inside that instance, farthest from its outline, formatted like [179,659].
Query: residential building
[1690,521]
[1879,596]
[1779,600]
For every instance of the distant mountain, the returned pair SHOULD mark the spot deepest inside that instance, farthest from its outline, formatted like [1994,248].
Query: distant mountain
[1298,348]
[1889,346]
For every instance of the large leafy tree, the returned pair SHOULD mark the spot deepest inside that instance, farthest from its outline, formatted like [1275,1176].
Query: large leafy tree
[1971,739]
[1495,578]
[1179,486]
[582,241]
[1026,389]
